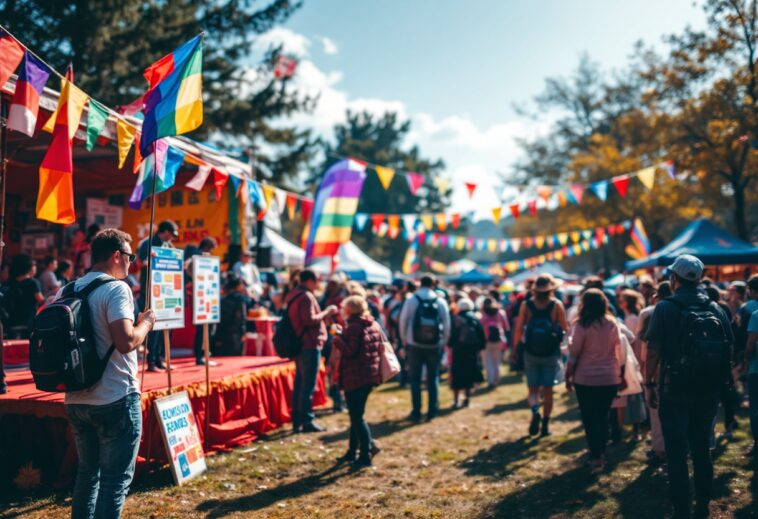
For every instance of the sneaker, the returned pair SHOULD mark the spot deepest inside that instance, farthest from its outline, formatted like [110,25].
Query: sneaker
[534,427]
[414,417]
[374,449]
[466,402]
[362,461]
[313,428]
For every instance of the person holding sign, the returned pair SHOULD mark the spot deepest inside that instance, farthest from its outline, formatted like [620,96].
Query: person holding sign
[106,419]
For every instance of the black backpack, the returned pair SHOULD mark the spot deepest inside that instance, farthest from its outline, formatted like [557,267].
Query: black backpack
[494,333]
[287,343]
[543,337]
[703,358]
[470,333]
[427,324]
[62,350]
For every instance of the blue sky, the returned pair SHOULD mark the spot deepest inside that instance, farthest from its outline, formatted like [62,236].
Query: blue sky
[457,68]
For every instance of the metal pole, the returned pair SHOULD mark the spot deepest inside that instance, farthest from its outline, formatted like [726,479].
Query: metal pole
[206,345]
[3,169]
[148,284]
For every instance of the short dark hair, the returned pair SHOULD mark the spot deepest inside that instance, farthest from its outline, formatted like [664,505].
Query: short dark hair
[207,243]
[48,260]
[594,282]
[232,282]
[427,281]
[752,283]
[64,265]
[307,275]
[685,282]
[107,242]
[714,294]
[664,290]
[20,265]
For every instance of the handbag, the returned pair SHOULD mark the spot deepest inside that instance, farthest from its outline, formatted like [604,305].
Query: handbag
[389,364]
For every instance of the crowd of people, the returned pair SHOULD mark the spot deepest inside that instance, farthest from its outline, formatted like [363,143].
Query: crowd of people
[651,360]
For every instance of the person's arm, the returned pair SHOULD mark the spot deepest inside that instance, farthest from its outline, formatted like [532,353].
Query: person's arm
[446,327]
[311,315]
[519,327]
[406,313]
[349,343]
[576,347]
[128,336]
[39,297]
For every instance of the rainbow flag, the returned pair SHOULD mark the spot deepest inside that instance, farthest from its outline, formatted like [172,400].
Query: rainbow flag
[173,104]
[411,260]
[165,161]
[639,238]
[334,208]
[55,198]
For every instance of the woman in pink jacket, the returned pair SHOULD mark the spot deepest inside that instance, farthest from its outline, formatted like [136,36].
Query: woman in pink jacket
[596,369]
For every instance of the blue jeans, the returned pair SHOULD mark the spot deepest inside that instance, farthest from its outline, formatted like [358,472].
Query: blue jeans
[360,434]
[417,359]
[306,372]
[752,384]
[107,438]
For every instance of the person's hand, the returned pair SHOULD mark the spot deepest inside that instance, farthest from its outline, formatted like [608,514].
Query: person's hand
[148,316]
[331,310]
[623,384]
[652,397]
[569,384]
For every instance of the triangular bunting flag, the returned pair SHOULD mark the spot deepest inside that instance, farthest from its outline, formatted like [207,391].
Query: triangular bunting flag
[669,167]
[562,238]
[291,203]
[515,210]
[427,221]
[455,220]
[539,241]
[198,181]
[562,199]
[470,187]
[385,175]
[409,221]
[600,189]
[577,192]
[97,115]
[377,220]
[442,184]
[125,133]
[515,244]
[532,204]
[496,214]
[306,207]
[219,181]
[647,177]
[415,181]
[441,220]
[576,236]
[544,192]
[621,183]
[281,199]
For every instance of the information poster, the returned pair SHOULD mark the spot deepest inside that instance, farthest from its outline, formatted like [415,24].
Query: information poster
[167,276]
[180,436]
[99,211]
[206,289]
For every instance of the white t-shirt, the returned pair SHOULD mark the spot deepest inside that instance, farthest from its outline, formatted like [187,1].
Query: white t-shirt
[108,303]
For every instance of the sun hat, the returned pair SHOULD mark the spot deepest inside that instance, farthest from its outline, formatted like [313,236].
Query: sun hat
[545,283]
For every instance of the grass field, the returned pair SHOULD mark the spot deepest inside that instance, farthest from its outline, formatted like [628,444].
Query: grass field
[470,463]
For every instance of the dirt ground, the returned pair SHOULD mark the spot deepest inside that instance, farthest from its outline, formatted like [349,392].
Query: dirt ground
[469,463]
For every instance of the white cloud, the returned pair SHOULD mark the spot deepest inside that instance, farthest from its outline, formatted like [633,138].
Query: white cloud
[329,46]
[291,42]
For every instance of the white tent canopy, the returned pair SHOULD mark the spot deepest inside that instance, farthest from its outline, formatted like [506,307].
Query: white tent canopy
[283,253]
[356,264]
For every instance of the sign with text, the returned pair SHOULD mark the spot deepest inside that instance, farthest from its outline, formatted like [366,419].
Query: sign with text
[206,289]
[167,285]
[99,211]
[180,436]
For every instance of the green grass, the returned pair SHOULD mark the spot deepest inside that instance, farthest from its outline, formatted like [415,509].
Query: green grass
[470,463]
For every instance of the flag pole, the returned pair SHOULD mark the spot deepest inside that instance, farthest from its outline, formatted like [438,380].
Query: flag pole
[3,169]
[148,295]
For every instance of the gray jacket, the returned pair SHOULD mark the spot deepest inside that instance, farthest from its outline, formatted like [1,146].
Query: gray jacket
[408,313]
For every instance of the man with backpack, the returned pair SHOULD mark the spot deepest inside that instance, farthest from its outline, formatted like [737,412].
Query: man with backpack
[424,330]
[106,418]
[307,320]
[688,361]
[541,325]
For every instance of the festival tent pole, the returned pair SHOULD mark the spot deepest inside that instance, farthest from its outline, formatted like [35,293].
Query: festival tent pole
[3,171]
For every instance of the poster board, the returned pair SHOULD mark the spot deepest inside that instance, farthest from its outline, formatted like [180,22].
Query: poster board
[206,289]
[167,285]
[181,436]
[99,211]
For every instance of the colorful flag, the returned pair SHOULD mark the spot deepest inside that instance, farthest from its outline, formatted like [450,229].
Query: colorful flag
[11,54]
[470,187]
[621,183]
[385,175]
[360,221]
[220,178]
[647,177]
[163,164]
[334,208]
[291,205]
[125,134]
[600,189]
[173,104]
[25,105]
[411,260]
[55,198]
[97,115]
[577,193]
[415,181]
[285,66]
[198,181]
[640,238]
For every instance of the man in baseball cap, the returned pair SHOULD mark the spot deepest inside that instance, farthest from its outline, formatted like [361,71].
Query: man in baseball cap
[684,378]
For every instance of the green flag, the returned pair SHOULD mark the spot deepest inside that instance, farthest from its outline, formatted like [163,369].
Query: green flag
[95,122]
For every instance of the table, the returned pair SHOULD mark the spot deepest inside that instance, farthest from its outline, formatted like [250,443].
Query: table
[263,344]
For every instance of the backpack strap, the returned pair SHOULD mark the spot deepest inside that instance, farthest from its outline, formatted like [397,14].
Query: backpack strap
[91,286]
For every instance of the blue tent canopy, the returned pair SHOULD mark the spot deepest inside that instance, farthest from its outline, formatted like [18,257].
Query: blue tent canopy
[472,276]
[703,239]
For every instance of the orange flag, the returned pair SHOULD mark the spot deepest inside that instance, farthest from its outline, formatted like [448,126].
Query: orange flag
[55,198]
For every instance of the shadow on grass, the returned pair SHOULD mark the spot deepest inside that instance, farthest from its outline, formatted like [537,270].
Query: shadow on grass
[748,510]
[566,494]
[222,507]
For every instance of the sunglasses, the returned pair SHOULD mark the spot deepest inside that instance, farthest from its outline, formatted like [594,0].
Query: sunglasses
[132,257]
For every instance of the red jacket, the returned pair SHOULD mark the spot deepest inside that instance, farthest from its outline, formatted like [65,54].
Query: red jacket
[361,344]
[303,312]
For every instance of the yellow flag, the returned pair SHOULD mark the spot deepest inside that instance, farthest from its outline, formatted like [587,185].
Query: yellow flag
[562,238]
[562,198]
[539,241]
[442,184]
[441,220]
[492,245]
[385,175]
[575,236]
[125,133]
[428,221]
[75,101]
[268,193]
[460,242]
[496,214]
[647,177]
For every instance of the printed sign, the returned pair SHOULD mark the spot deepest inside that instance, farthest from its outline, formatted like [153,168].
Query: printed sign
[99,211]
[180,436]
[167,285]
[206,289]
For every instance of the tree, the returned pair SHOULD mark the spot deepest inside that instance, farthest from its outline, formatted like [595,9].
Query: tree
[110,43]
[379,140]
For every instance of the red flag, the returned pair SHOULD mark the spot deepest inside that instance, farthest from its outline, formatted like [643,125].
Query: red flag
[455,220]
[306,206]
[621,184]
[285,66]
[219,181]
[532,207]
[515,210]
[377,220]
[11,54]
[471,187]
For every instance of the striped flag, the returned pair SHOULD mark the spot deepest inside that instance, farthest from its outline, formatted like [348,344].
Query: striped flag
[411,260]
[25,105]
[336,201]
[640,246]
[165,161]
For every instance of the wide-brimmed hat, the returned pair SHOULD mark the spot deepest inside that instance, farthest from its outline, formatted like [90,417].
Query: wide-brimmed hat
[545,283]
